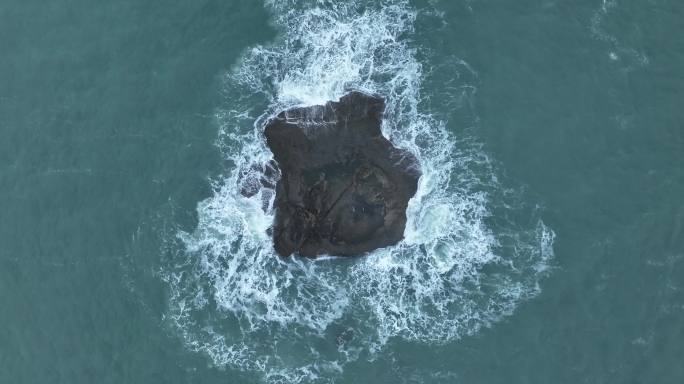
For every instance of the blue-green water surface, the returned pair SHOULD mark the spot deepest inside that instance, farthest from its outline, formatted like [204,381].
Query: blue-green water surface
[546,246]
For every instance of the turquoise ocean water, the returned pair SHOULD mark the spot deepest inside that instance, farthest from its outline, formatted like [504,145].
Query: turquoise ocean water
[545,244]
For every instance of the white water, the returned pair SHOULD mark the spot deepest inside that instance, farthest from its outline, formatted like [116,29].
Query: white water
[234,300]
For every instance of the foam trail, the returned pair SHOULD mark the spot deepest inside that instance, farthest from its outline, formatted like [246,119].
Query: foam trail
[233,299]
[630,58]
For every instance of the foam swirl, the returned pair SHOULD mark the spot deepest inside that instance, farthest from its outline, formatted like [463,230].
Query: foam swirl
[299,320]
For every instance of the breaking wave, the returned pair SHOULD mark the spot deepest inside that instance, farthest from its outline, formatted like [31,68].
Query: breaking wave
[469,256]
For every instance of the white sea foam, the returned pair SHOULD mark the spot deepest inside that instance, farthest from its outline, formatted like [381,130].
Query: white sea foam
[233,299]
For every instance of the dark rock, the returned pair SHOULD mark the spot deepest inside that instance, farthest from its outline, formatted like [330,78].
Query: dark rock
[343,188]
[257,177]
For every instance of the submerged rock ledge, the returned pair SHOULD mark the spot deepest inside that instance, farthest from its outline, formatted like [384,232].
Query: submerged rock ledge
[344,188]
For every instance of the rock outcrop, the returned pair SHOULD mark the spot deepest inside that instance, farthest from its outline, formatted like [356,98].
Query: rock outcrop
[344,187]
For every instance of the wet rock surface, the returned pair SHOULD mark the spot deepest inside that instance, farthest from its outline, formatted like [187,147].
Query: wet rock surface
[343,188]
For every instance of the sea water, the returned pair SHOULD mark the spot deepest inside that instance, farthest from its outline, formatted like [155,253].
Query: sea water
[544,243]
[297,320]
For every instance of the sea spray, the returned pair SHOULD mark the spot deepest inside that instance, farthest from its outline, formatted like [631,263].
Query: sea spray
[294,320]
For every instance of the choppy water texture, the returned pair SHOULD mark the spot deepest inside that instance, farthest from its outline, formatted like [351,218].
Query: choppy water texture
[545,242]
